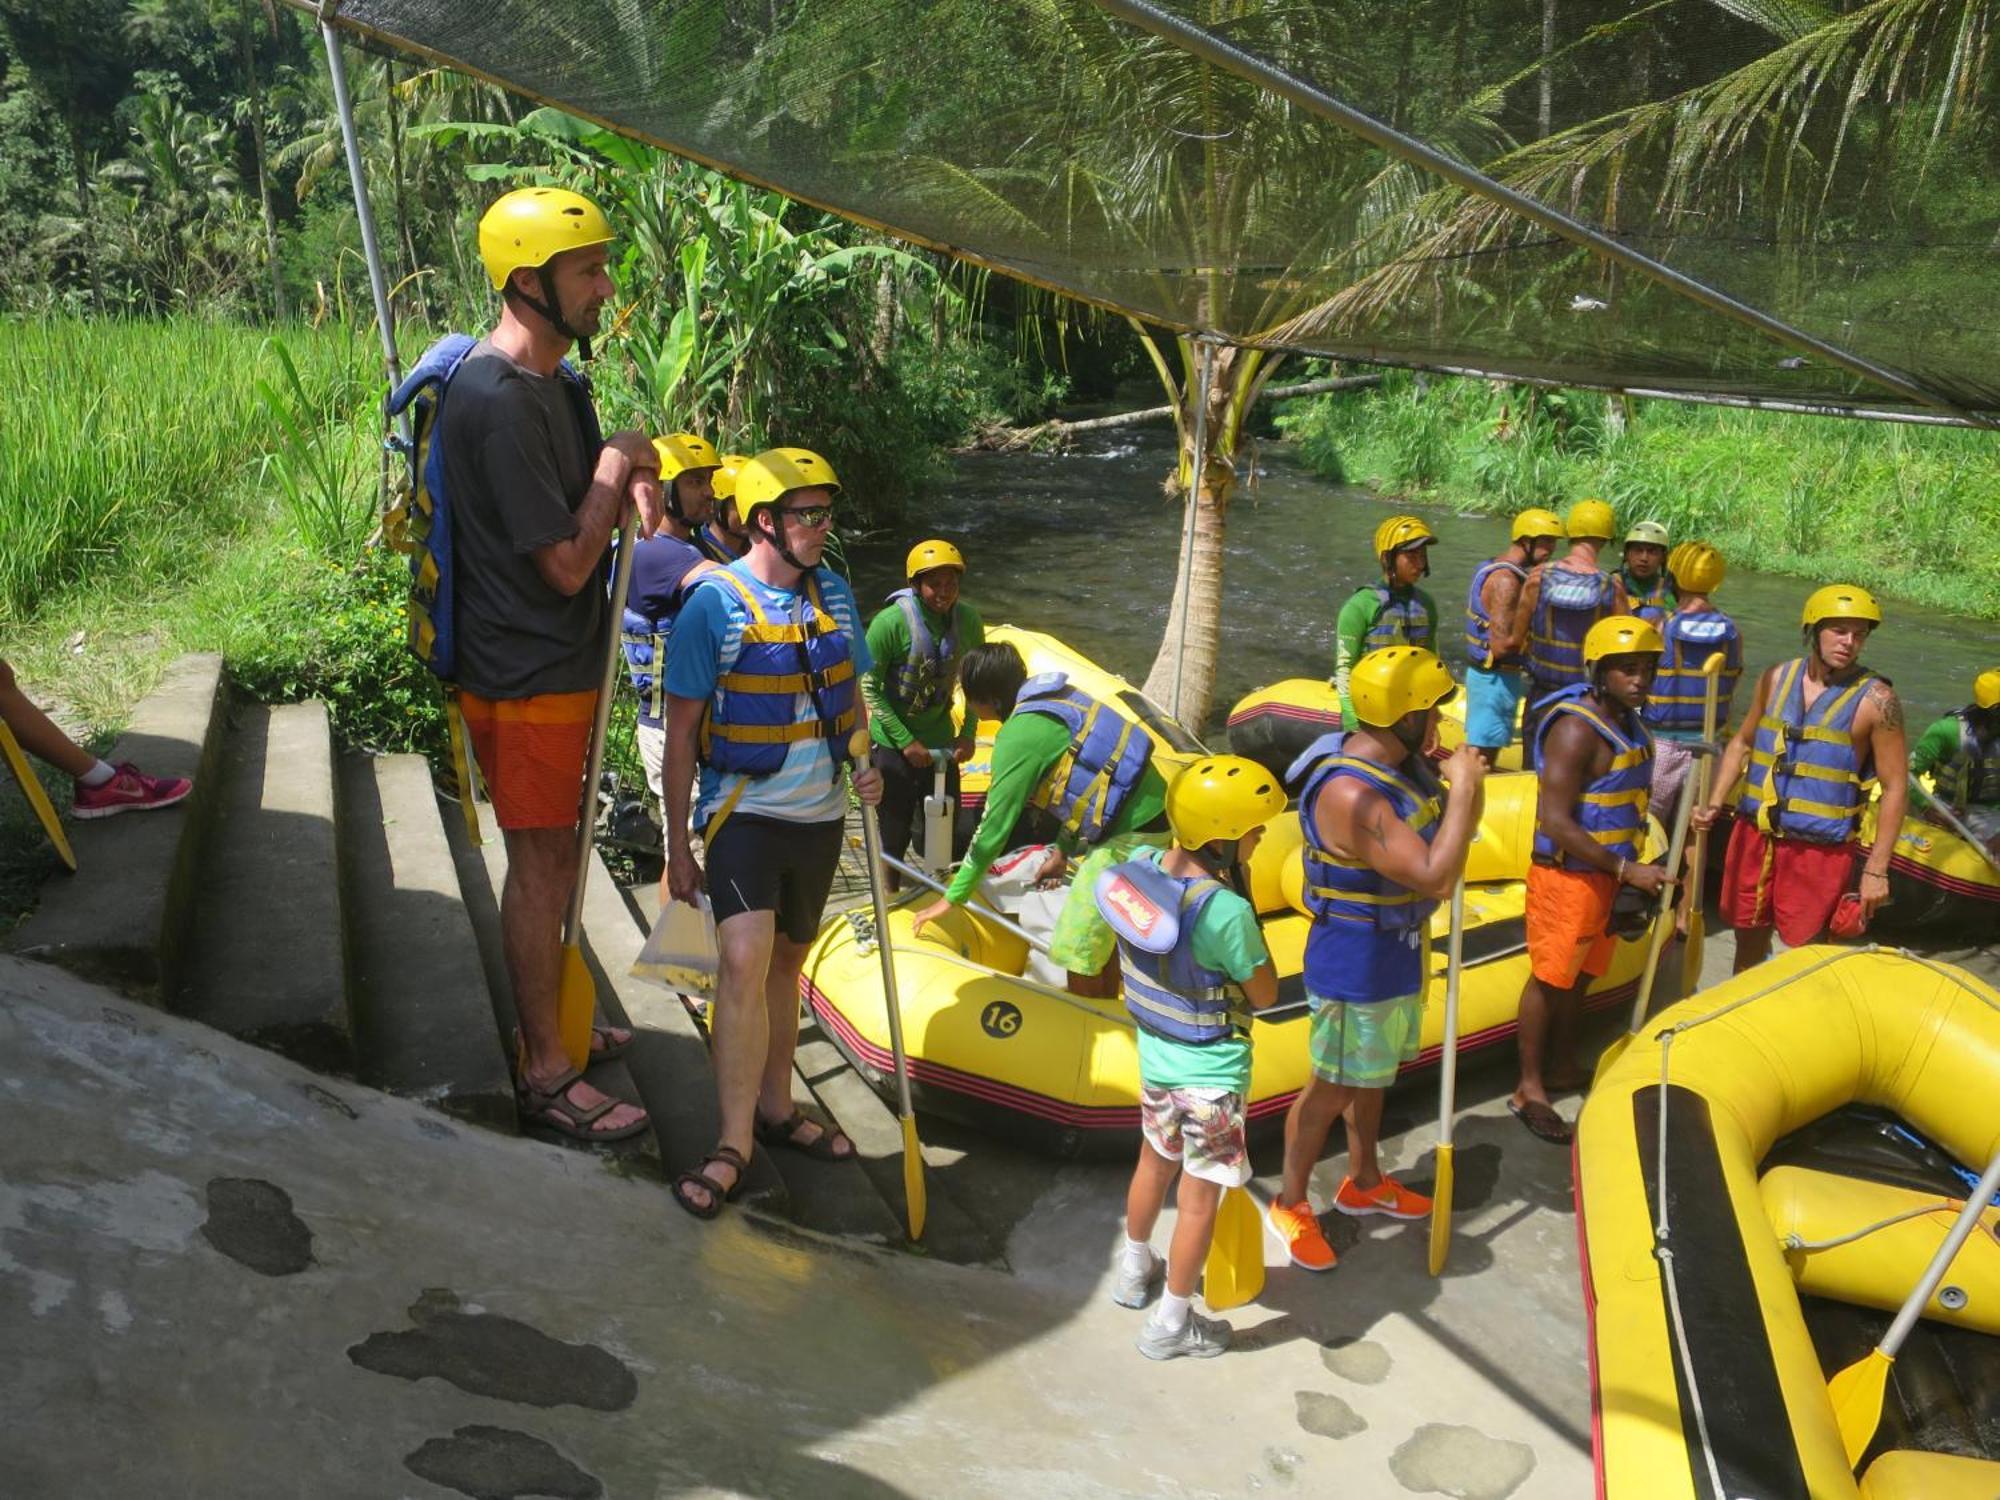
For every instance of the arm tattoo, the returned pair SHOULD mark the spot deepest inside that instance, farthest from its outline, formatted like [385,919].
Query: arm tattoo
[1374,831]
[1888,707]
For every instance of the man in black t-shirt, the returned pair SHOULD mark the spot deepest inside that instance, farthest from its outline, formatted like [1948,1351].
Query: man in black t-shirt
[533,509]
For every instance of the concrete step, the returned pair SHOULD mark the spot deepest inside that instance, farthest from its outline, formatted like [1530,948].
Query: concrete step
[267,959]
[482,875]
[423,1020]
[120,920]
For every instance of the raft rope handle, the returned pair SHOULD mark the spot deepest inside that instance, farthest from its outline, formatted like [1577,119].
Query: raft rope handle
[1944,1205]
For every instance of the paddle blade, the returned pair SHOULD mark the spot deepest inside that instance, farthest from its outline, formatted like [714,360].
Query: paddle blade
[1441,1212]
[576,1006]
[1856,1393]
[913,1177]
[1691,952]
[1234,1272]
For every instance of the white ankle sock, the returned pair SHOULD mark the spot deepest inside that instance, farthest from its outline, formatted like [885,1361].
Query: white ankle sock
[1138,1254]
[1172,1313]
[97,775]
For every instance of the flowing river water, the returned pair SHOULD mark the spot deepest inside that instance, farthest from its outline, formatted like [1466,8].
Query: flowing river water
[1083,545]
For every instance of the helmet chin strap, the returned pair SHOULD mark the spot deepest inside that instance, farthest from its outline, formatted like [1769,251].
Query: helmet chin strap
[1409,736]
[551,310]
[778,537]
[670,497]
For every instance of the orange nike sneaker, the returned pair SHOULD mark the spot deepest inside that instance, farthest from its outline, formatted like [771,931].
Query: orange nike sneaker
[1390,1198]
[1298,1227]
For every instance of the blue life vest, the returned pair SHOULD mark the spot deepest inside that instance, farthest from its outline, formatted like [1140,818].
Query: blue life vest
[1401,619]
[1107,757]
[645,638]
[419,521]
[1567,604]
[1675,703]
[1167,992]
[1367,936]
[1613,808]
[924,677]
[1806,779]
[754,717]
[1651,602]
[710,542]
[1479,625]
[1971,778]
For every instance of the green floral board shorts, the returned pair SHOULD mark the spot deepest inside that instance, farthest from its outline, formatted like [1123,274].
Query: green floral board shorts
[1202,1129]
[1360,1044]
[1082,941]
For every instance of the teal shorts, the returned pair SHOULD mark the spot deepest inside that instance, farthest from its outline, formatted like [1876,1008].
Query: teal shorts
[1361,1044]
[1082,941]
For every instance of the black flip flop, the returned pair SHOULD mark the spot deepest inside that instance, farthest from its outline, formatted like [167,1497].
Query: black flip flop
[1543,1123]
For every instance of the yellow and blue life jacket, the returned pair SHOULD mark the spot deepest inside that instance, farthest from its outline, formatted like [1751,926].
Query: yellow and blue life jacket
[1651,602]
[924,678]
[1971,778]
[1167,992]
[1806,780]
[708,540]
[754,716]
[419,520]
[1674,706]
[1106,759]
[1613,809]
[1567,604]
[1366,941]
[1479,625]
[1401,619]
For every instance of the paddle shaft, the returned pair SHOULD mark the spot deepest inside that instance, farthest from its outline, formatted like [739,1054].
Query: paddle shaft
[38,798]
[871,839]
[1711,710]
[600,724]
[1453,973]
[1675,846]
[1957,825]
[1961,1231]
[910,873]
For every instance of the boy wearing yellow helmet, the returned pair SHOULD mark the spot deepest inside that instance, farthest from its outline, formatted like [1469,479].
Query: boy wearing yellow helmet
[535,498]
[1648,585]
[1496,682]
[1961,753]
[1818,730]
[1194,966]
[1595,768]
[917,644]
[721,537]
[1560,600]
[1695,631]
[1393,611]
[1381,850]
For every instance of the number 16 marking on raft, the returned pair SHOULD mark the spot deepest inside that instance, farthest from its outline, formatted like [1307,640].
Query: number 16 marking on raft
[1001,1019]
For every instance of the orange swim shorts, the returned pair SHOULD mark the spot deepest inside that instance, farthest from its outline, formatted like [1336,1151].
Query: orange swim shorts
[531,752]
[1569,916]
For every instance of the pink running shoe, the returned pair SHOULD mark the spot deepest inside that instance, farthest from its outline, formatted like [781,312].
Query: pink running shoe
[131,790]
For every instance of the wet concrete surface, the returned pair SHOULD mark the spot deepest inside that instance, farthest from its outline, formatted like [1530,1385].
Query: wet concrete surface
[251,1221]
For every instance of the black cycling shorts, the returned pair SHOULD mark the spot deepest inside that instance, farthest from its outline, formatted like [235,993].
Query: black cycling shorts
[757,863]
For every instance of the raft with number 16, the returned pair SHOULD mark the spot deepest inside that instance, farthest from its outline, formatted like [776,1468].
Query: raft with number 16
[994,1048]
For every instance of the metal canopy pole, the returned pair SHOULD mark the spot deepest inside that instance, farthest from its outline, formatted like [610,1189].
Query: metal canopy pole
[1210,48]
[1204,373]
[377,284]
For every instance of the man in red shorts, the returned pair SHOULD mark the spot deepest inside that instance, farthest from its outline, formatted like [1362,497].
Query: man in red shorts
[1595,770]
[533,510]
[1819,729]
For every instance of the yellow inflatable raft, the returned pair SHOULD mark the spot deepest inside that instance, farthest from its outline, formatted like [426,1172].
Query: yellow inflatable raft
[1936,880]
[996,1049]
[1721,1299]
[1274,724]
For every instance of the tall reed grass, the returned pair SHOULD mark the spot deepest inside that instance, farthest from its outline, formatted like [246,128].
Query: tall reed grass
[1913,510]
[122,441]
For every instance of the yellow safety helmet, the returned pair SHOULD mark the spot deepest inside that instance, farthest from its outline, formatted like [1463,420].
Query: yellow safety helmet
[1534,522]
[1220,798]
[772,473]
[1393,681]
[1697,567]
[935,553]
[1647,534]
[1621,635]
[725,475]
[681,451]
[1398,532]
[1591,519]
[529,226]
[1840,601]
[1986,688]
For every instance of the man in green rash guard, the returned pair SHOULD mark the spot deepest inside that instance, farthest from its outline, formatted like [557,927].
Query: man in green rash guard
[1961,754]
[1391,612]
[1089,768]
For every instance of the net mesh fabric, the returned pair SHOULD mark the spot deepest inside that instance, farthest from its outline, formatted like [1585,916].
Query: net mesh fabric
[1809,161]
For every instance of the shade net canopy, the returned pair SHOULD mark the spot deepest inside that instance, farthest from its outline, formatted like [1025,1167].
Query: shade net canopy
[1827,163]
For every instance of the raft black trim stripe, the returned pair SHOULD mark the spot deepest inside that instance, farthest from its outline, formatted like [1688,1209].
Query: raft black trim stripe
[1726,1355]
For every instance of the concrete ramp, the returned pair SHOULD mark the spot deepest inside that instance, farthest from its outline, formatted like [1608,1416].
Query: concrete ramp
[224,1275]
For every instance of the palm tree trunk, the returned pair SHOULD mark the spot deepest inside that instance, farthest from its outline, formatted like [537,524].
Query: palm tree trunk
[83,211]
[256,87]
[1543,111]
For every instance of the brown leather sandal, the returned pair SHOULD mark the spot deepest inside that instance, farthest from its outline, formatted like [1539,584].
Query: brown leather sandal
[698,1177]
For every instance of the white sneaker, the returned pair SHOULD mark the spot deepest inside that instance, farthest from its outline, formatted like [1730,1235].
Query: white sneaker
[1198,1338]
[1130,1288]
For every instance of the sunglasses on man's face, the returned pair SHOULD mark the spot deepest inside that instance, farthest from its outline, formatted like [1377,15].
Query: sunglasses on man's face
[810,515]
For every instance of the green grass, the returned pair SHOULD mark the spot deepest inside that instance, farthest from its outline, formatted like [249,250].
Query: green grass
[1912,510]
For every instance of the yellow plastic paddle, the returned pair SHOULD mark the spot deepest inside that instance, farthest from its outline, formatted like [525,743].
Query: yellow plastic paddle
[1448,1085]
[1856,1392]
[38,799]
[1697,920]
[1234,1271]
[576,1000]
[914,1199]
[462,767]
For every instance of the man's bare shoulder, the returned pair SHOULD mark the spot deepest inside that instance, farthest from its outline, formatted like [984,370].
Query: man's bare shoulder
[1888,707]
